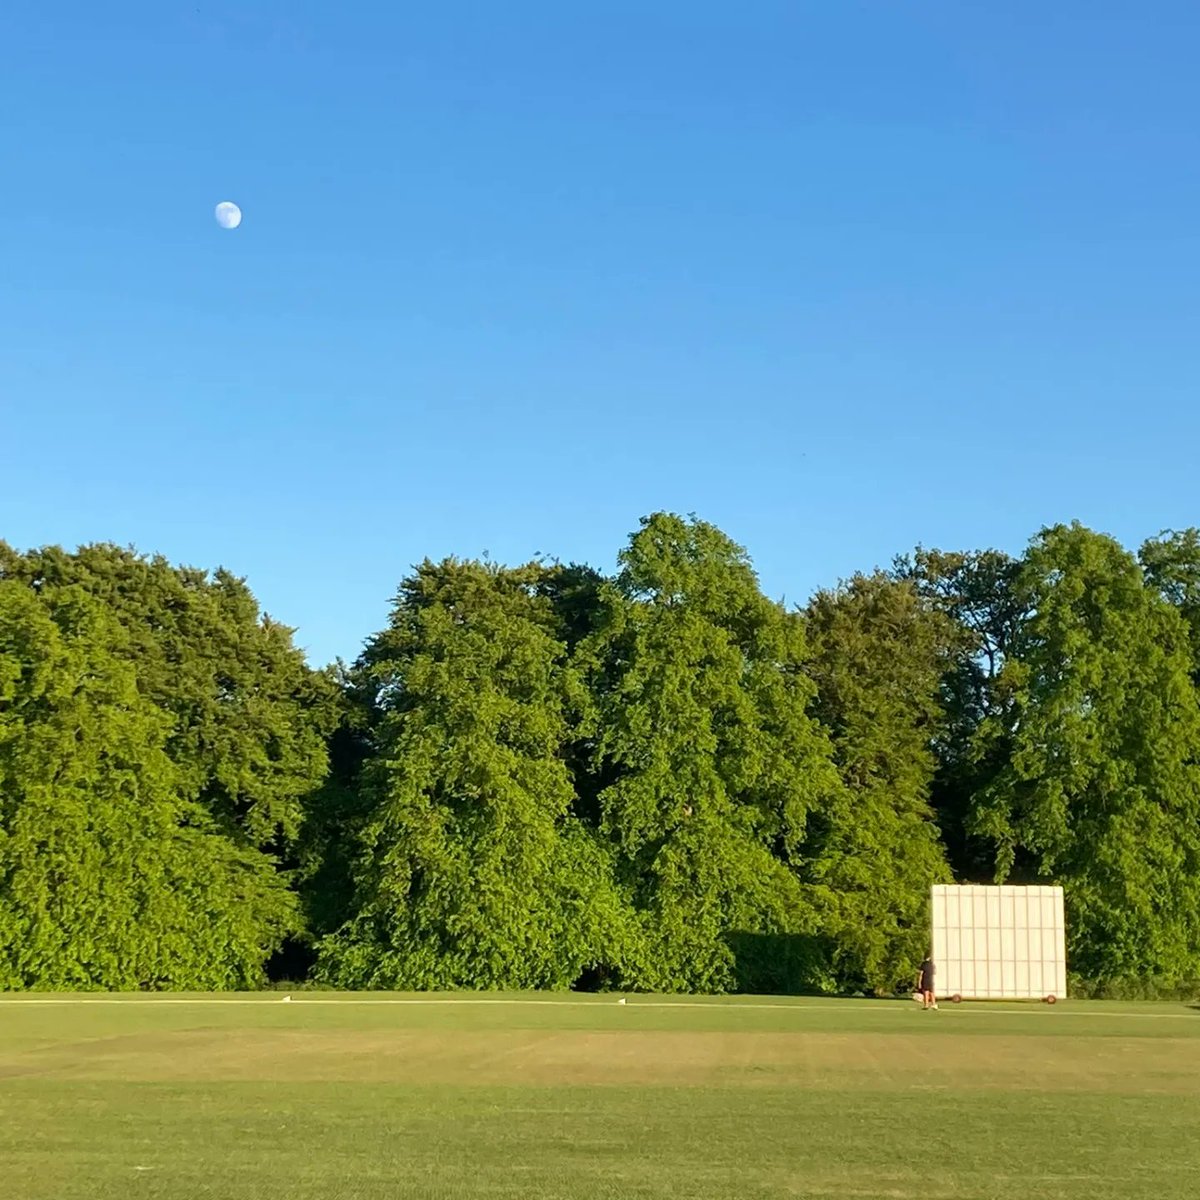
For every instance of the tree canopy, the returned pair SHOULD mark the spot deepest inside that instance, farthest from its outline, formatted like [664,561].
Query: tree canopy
[713,766]
[110,875]
[546,776]
[1100,787]
[472,871]
[248,718]
[879,654]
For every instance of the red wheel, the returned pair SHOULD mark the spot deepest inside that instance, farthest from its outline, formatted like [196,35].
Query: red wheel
[1052,999]
[956,999]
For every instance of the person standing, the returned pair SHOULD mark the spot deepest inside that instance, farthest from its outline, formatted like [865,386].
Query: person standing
[928,996]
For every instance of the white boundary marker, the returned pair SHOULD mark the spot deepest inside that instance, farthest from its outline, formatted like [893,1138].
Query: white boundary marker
[134,1000]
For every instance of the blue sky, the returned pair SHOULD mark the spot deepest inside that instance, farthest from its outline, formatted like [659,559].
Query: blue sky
[839,277]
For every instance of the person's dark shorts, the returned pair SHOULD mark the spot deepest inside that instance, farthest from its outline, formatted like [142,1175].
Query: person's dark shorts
[927,983]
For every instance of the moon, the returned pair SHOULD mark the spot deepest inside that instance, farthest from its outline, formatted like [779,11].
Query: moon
[228,215]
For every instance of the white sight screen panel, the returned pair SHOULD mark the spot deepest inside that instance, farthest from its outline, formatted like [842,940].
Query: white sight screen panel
[999,943]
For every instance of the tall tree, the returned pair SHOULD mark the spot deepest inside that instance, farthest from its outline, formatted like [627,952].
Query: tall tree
[473,871]
[710,764]
[878,655]
[248,716]
[110,877]
[1101,790]
[976,591]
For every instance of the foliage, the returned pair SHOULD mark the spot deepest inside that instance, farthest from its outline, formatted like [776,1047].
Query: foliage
[976,593]
[109,876]
[1101,790]
[1171,565]
[879,653]
[473,872]
[334,814]
[713,765]
[248,718]
[545,777]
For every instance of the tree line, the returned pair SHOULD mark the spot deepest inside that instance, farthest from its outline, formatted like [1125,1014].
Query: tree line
[543,776]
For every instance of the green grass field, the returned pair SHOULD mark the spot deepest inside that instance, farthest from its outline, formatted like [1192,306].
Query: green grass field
[376,1096]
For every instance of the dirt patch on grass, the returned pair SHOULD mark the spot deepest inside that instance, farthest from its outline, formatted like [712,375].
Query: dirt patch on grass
[570,1058]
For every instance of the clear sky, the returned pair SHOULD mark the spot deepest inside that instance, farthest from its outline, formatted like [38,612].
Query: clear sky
[840,277]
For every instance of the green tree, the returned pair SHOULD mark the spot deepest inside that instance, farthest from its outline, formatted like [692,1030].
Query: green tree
[473,871]
[329,841]
[976,591]
[248,718]
[1171,563]
[709,763]
[1101,790]
[878,655]
[109,876]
